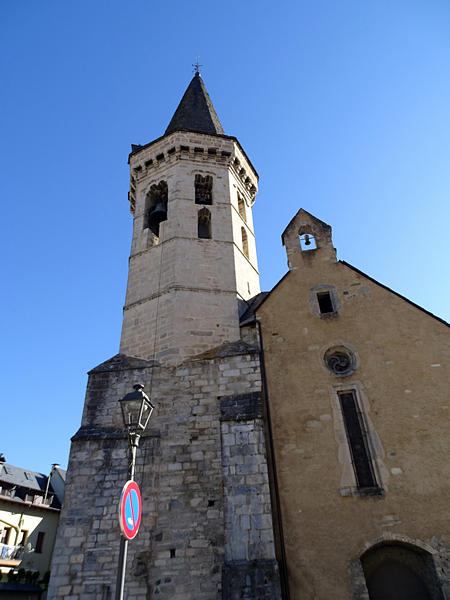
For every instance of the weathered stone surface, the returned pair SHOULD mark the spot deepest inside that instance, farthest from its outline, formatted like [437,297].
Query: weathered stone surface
[241,407]
[251,579]
[203,481]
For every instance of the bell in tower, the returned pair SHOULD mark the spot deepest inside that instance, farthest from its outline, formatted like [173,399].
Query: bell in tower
[156,207]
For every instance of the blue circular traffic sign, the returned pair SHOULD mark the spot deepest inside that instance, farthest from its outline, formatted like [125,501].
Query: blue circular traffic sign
[130,509]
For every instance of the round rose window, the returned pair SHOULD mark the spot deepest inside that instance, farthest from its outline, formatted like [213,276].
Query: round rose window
[340,361]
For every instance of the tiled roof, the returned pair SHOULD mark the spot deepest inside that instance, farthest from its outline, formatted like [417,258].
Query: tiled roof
[24,482]
[22,477]
[248,316]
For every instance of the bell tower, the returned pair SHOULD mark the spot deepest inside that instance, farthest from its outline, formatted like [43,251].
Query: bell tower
[193,252]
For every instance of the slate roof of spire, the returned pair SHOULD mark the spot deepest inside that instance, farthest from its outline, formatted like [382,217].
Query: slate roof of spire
[195,111]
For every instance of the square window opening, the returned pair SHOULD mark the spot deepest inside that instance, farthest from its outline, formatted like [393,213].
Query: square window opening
[39,542]
[325,303]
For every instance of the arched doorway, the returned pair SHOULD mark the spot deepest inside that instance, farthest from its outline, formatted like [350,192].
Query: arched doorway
[395,571]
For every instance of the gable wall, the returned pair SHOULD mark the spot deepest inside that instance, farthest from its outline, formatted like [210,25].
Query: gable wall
[404,394]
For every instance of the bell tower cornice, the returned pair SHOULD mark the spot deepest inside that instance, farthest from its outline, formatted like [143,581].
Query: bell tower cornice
[154,158]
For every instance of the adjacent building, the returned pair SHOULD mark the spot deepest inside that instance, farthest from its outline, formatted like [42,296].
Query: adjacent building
[30,505]
[300,437]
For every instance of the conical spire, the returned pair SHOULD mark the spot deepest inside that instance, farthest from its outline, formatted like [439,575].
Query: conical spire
[195,111]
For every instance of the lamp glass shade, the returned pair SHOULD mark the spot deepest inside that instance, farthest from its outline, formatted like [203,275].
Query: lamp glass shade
[146,413]
[136,410]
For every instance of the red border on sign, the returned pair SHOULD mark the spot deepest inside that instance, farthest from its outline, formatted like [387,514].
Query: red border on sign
[129,532]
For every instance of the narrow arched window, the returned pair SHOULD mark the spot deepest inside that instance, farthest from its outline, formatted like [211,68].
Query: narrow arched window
[156,206]
[339,362]
[204,224]
[203,189]
[241,207]
[244,242]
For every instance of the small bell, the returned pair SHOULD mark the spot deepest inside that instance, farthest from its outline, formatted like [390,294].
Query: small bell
[158,211]
[307,240]
[157,214]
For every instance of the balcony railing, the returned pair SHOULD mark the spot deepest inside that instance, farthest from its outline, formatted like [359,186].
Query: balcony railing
[11,556]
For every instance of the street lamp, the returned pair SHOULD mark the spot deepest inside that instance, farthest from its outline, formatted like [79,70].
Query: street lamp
[137,409]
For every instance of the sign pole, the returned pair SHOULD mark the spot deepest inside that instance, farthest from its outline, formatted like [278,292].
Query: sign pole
[122,565]
[120,584]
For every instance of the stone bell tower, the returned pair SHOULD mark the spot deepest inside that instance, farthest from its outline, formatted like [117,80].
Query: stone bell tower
[193,253]
[207,531]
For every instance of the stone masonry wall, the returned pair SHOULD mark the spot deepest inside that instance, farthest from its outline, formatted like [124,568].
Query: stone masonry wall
[206,525]
[250,569]
[182,292]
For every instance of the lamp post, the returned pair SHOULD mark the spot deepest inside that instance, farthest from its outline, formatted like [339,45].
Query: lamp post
[136,412]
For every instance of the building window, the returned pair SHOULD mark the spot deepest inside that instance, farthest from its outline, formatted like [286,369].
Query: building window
[325,303]
[358,441]
[23,537]
[204,224]
[241,207]
[6,490]
[39,542]
[244,242]
[156,207]
[340,361]
[6,534]
[203,189]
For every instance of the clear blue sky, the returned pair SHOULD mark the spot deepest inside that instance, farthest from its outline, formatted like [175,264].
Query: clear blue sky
[343,108]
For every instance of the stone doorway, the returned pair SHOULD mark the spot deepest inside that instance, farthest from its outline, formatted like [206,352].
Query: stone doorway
[395,571]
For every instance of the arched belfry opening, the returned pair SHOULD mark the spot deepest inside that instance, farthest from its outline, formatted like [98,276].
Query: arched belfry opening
[203,189]
[307,241]
[204,224]
[399,571]
[305,238]
[156,206]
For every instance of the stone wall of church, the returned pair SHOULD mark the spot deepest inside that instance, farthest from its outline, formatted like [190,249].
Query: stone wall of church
[206,528]
[184,321]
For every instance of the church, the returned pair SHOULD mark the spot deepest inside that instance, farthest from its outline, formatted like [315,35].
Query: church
[299,444]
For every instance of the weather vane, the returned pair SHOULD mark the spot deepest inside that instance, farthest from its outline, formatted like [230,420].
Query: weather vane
[197,66]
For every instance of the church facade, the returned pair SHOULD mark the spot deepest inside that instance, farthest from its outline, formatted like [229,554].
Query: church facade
[264,473]
[357,383]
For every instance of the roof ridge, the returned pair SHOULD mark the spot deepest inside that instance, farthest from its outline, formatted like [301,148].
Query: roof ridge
[344,262]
